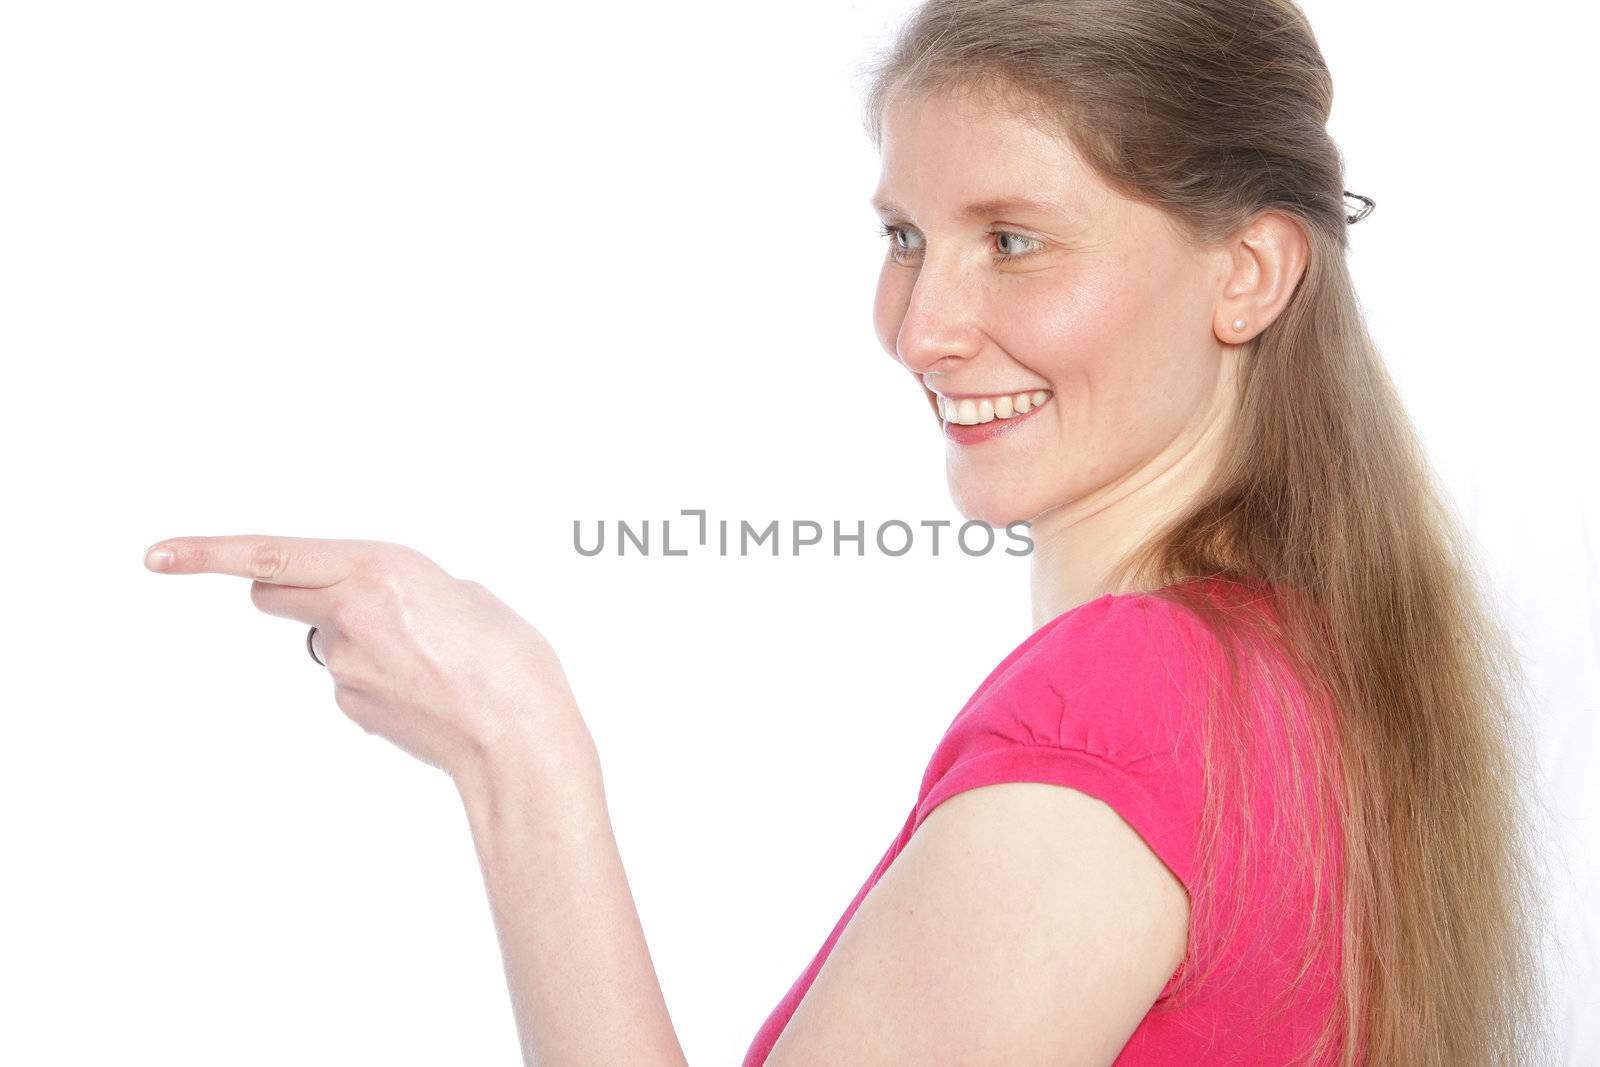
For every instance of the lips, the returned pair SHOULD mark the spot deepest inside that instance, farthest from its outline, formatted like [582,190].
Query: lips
[972,408]
[995,428]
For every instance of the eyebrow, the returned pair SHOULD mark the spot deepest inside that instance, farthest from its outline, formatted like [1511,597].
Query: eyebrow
[999,205]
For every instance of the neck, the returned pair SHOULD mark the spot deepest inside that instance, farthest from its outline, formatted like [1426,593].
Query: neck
[1078,544]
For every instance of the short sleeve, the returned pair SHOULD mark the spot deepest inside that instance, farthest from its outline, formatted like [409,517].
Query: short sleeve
[1105,703]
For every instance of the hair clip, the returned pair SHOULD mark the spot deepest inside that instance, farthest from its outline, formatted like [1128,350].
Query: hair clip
[1366,209]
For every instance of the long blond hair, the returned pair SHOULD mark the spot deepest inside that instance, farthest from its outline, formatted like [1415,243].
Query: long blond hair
[1214,110]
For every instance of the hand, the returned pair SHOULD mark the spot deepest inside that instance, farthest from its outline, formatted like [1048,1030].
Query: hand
[439,666]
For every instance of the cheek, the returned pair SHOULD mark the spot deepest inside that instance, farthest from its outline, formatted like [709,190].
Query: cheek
[1062,333]
[1099,337]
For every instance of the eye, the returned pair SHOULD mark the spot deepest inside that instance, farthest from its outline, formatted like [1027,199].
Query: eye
[896,249]
[893,232]
[1013,237]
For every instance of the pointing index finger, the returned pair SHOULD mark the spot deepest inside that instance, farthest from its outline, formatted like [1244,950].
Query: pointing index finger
[309,562]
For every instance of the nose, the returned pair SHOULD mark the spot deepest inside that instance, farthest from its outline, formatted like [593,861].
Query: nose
[939,328]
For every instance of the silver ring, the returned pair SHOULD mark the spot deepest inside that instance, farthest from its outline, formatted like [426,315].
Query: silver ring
[312,648]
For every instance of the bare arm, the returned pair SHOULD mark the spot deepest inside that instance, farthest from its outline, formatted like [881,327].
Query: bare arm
[583,988]
[449,673]
[1024,923]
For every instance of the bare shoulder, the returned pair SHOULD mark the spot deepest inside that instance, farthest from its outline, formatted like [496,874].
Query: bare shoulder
[1024,922]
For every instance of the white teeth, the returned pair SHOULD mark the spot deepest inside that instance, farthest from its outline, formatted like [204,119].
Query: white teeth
[970,411]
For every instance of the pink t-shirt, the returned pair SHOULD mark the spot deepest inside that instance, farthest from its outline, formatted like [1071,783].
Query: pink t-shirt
[1104,698]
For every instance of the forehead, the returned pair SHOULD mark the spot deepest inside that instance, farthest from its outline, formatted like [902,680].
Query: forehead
[975,146]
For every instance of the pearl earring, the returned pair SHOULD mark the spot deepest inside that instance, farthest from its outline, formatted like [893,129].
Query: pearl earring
[1238,324]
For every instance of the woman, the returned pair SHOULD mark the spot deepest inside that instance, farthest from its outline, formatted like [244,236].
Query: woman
[1249,791]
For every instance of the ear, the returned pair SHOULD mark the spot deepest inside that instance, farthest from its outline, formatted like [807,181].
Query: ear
[1264,262]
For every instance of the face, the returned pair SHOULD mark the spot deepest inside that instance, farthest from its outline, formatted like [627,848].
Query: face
[1088,297]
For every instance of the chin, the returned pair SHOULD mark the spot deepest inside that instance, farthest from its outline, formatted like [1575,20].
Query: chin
[985,505]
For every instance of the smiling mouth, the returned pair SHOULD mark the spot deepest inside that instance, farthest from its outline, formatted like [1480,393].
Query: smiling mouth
[976,410]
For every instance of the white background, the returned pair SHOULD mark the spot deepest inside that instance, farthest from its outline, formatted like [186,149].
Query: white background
[455,275]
